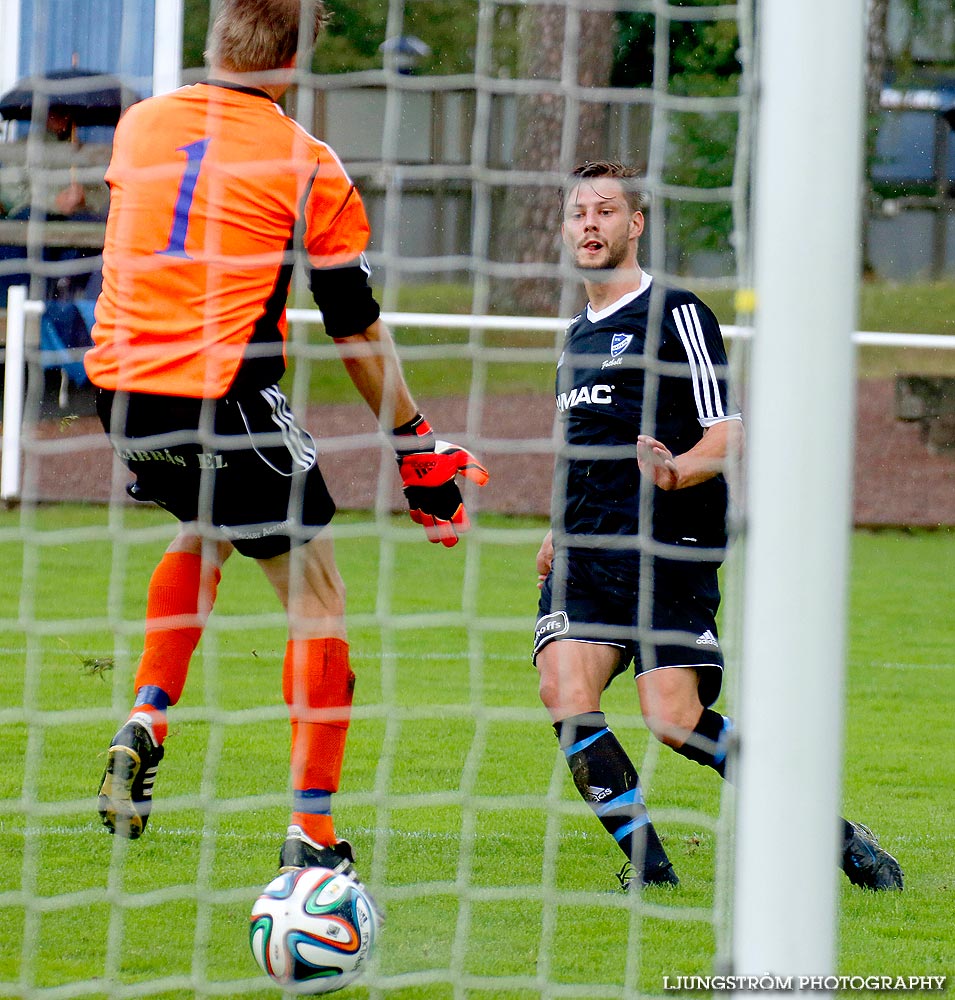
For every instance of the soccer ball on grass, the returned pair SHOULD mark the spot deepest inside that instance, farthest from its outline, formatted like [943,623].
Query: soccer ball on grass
[312,930]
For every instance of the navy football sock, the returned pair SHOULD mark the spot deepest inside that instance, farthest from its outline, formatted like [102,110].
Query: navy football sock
[149,694]
[608,783]
[707,744]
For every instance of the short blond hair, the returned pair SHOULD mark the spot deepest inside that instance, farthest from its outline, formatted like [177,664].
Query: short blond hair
[253,36]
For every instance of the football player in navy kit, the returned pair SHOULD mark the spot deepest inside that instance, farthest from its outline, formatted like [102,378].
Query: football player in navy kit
[628,572]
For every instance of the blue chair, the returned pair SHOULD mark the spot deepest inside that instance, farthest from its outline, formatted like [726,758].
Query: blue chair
[64,333]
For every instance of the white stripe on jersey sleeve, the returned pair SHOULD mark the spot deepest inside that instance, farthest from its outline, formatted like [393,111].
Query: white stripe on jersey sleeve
[696,329]
[706,390]
[721,420]
[691,358]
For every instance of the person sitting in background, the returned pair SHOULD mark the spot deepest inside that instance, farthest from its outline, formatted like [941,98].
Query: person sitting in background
[30,193]
[21,195]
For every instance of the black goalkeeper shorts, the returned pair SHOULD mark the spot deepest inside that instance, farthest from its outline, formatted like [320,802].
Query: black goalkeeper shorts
[594,597]
[241,464]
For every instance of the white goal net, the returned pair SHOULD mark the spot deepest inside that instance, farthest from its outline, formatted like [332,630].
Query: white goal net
[496,879]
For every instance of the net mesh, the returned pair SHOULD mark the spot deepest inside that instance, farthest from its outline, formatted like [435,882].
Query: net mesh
[494,876]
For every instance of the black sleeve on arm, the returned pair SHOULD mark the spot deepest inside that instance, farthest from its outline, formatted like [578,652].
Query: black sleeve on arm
[345,299]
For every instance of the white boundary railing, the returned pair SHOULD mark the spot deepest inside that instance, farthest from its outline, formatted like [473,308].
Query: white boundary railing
[19,307]
[14,384]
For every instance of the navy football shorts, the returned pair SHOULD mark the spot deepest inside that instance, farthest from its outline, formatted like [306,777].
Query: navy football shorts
[241,464]
[595,597]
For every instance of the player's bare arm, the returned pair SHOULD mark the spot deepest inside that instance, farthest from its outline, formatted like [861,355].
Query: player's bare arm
[373,366]
[428,467]
[545,558]
[706,459]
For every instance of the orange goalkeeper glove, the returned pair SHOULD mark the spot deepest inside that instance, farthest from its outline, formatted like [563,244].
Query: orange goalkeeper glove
[428,469]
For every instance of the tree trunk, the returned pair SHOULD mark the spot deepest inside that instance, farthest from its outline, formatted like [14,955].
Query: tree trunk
[877,58]
[877,54]
[528,222]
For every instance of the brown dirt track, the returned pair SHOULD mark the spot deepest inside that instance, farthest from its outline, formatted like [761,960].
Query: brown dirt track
[898,480]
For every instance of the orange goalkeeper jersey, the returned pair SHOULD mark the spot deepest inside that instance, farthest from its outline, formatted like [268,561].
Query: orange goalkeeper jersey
[210,187]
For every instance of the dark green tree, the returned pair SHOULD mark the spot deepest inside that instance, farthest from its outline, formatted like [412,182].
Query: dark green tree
[702,60]
[195,24]
[357,27]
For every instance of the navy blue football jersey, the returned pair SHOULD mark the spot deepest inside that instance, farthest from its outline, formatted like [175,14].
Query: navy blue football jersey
[617,379]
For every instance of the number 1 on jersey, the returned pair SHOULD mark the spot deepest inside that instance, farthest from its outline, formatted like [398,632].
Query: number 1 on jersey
[195,151]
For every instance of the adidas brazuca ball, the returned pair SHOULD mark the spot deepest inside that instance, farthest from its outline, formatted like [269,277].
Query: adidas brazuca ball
[313,930]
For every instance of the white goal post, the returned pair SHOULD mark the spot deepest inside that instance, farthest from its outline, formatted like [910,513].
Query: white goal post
[808,169]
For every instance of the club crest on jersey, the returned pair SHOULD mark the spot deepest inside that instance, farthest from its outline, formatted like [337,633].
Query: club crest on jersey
[619,342]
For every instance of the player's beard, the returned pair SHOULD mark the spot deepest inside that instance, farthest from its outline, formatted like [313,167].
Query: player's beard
[616,254]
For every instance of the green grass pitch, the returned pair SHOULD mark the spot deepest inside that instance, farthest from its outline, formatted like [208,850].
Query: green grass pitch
[453,795]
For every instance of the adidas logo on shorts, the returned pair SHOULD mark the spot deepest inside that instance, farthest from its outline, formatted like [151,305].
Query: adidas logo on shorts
[707,639]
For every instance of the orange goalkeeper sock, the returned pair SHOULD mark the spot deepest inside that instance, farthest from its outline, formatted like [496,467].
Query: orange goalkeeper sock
[317,685]
[178,603]
[320,829]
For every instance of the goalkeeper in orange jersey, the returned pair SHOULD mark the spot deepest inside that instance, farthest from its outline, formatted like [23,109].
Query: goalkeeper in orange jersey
[212,189]
[628,574]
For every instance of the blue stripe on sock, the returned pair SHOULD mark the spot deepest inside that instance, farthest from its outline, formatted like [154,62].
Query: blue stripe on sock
[149,694]
[722,744]
[314,801]
[630,798]
[583,744]
[634,824]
